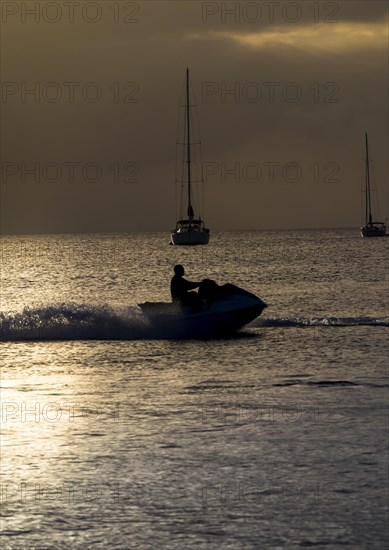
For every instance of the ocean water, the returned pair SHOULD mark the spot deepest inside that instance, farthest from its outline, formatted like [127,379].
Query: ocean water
[113,437]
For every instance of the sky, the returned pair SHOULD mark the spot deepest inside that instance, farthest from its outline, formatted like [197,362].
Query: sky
[285,91]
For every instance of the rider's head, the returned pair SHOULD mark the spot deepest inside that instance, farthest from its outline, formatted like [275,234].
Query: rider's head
[179,270]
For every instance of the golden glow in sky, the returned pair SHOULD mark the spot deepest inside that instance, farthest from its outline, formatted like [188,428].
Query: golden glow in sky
[335,38]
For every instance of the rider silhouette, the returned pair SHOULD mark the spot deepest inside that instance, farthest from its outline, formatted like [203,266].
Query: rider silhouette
[179,287]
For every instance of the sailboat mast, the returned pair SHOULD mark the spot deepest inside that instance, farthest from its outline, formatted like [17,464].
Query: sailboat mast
[190,210]
[368,204]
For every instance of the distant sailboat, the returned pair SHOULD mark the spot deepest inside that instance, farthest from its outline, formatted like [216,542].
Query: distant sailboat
[190,230]
[371,228]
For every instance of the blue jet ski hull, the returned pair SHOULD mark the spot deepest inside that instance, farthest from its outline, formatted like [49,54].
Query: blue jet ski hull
[229,312]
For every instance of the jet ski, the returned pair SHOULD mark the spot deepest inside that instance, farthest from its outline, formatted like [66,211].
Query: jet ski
[213,311]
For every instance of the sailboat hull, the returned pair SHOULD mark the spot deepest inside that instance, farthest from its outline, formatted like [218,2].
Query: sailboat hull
[190,237]
[373,230]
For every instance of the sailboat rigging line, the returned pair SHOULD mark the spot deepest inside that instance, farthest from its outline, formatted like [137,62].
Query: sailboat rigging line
[183,173]
[179,161]
[201,165]
[368,205]
[190,209]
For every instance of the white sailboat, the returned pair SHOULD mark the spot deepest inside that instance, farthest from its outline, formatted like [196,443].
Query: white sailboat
[371,228]
[189,230]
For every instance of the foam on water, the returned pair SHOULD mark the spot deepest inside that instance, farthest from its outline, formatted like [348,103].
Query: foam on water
[70,321]
[74,322]
[323,322]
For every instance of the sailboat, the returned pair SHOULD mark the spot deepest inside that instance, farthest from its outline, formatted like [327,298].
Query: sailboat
[371,228]
[189,230]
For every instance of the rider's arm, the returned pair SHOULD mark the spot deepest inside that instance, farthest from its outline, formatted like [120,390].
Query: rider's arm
[189,285]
